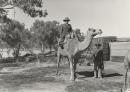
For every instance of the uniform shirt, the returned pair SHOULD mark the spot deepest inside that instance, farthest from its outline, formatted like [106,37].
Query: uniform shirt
[65,29]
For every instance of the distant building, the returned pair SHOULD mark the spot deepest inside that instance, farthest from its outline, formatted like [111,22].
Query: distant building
[123,39]
[118,50]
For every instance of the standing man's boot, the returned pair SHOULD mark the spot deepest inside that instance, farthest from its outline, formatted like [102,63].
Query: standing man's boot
[95,73]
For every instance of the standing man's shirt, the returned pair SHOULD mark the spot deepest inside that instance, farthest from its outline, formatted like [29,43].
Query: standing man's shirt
[98,58]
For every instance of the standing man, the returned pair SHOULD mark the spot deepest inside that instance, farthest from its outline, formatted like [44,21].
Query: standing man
[98,61]
[65,30]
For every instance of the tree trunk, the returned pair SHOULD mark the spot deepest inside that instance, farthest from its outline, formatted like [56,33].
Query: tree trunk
[38,59]
[17,53]
[1,55]
[42,48]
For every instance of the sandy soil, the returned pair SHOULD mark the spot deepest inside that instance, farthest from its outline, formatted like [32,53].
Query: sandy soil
[35,78]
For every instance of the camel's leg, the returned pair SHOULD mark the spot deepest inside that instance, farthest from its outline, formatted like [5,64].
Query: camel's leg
[76,59]
[125,82]
[58,63]
[71,69]
[128,80]
[75,74]
[126,65]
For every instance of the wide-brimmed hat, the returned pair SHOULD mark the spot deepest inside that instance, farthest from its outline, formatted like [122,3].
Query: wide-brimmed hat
[66,19]
[98,44]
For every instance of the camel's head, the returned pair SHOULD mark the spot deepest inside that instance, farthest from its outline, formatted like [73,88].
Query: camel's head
[93,32]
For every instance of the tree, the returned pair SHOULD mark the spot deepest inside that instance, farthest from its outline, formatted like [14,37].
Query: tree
[26,39]
[14,34]
[31,7]
[52,28]
[45,33]
[38,35]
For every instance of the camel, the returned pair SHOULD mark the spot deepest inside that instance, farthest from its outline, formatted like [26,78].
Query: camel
[72,47]
[127,68]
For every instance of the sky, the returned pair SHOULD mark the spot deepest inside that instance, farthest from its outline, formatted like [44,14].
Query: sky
[112,16]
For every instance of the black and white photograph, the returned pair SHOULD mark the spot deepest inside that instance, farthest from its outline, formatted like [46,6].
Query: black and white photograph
[64,45]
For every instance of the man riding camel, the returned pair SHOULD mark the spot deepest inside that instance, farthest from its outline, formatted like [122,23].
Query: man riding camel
[65,30]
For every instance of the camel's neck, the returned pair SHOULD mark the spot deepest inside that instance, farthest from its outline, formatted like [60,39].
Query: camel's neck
[86,43]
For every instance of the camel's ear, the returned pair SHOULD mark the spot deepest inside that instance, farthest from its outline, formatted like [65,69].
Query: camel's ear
[89,29]
[100,31]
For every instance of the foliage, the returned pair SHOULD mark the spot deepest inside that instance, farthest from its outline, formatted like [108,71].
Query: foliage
[15,35]
[26,37]
[12,33]
[38,35]
[52,29]
[45,33]
[30,7]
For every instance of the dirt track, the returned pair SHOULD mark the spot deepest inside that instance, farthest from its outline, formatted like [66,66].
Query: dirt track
[43,79]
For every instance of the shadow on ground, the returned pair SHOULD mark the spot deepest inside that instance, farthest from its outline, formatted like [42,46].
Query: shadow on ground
[86,74]
[112,75]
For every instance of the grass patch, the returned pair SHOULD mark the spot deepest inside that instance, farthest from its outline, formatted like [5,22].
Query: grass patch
[29,77]
[98,86]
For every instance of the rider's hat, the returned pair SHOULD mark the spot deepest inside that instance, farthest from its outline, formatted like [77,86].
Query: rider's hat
[66,19]
[98,44]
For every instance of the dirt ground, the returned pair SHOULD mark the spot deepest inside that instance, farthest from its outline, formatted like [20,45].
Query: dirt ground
[42,78]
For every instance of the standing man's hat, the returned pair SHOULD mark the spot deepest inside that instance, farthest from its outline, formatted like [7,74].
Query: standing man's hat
[97,44]
[66,19]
